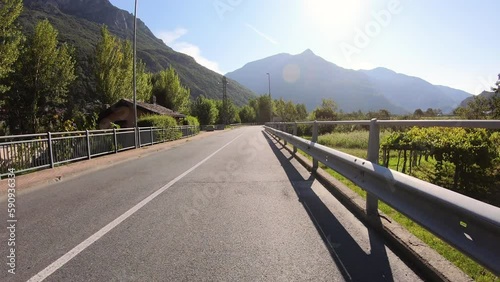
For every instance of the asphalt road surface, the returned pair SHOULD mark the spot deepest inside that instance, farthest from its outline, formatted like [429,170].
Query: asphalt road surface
[228,207]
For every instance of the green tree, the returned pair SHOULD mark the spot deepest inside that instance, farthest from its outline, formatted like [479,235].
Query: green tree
[247,114]
[144,83]
[45,71]
[327,110]
[231,111]
[205,110]
[301,112]
[264,108]
[10,39]
[418,113]
[113,68]
[280,110]
[169,92]
[478,108]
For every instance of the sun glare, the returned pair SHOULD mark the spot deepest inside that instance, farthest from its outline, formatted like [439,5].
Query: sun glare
[338,17]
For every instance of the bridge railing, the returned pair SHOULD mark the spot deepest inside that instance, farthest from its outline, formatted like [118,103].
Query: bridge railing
[471,226]
[36,151]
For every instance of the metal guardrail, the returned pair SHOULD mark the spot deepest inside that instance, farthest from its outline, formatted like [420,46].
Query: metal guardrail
[471,226]
[36,151]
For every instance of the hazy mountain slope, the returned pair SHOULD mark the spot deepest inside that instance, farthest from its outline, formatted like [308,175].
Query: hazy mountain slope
[456,95]
[307,78]
[79,22]
[412,92]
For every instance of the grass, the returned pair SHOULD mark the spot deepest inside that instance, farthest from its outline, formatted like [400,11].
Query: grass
[356,143]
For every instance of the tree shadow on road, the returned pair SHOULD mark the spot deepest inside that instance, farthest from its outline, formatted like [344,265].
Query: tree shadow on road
[352,261]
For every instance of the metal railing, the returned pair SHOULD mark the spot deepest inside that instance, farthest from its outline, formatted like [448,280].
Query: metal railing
[471,226]
[36,151]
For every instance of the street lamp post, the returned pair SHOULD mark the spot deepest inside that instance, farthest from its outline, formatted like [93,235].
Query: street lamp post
[270,99]
[134,76]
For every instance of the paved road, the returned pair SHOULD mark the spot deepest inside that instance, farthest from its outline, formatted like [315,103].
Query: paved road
[229,207]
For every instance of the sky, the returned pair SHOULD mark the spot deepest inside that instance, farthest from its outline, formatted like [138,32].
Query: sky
[448,42]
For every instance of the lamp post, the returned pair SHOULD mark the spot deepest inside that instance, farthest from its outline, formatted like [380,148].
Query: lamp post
[270,99]
[134,75]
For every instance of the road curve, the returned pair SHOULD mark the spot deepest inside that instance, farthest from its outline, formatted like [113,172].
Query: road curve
[229,207]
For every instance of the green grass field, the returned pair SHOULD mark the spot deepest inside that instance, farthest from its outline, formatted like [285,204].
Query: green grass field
[356,144]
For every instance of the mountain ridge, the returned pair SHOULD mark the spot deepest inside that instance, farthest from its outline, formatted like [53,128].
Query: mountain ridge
[366,90]
[79,22]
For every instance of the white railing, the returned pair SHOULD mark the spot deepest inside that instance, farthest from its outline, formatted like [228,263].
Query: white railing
[35,151]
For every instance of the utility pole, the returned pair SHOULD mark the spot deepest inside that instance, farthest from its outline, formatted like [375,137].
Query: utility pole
[134,76]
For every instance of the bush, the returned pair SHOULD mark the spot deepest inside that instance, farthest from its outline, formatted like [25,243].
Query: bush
[156,121]
[161,121]
[190,120]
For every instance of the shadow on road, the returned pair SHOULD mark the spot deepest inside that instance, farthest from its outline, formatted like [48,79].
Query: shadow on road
[352,261]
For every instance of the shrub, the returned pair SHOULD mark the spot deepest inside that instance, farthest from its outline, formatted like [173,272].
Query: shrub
[190,120]
[161,121]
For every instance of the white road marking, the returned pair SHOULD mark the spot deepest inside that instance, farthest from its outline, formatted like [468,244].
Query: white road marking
[40,276]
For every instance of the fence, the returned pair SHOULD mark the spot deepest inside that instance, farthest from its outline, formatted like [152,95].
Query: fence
[471,226]
[35,151]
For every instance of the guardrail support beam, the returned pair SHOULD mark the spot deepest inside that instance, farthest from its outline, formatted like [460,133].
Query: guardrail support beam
[136,137]
[294,134]
[373,156]
[314,139]
[87,135]
[116,140]
[51,152]
[285,128]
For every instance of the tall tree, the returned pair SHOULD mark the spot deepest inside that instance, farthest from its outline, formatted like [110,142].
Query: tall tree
[113,68]
[301,112]
[39,93]
[205,110]
[231,111]
[327,110]
[247,114]
[169,92]
[265,108]
[144,83]
[10,39]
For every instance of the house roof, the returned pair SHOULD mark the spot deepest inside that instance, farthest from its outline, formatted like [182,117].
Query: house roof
[151,108]
[155,108]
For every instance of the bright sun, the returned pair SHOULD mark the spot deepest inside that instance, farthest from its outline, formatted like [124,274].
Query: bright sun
[338,17]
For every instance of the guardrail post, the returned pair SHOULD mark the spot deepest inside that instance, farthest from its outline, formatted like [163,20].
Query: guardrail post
[151,132]
[373,156]
[285,128]
[51,153]
[294,134]
[314,139]
[136,137]
[87,134]
[116,140]
[139,137]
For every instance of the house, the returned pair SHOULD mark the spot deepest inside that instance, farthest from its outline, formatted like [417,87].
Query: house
[122,113]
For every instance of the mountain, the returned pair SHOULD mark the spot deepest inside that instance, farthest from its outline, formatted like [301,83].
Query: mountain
[308,78]
[79,23]
[413,93]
